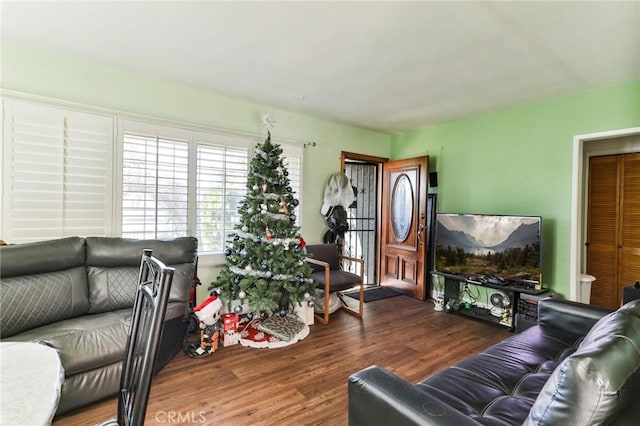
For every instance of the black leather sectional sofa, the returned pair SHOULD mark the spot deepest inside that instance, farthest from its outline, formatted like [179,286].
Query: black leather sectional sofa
[579,366]
[76,295]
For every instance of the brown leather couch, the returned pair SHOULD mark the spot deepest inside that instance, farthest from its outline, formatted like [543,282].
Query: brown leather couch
[76,295]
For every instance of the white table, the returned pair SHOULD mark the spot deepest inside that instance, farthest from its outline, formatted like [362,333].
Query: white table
[31,376]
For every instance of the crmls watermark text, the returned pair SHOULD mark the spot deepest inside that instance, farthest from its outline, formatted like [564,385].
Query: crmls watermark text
[180,417]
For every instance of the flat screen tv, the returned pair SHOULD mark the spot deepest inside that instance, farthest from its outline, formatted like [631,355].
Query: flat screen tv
[498,249]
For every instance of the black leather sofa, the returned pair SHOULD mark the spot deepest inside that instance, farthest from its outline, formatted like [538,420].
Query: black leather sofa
[580,365]
[76,295]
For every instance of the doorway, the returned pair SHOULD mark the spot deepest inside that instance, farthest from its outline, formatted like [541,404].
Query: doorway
[392,240]
[613,226]
[584,147]
[361,240]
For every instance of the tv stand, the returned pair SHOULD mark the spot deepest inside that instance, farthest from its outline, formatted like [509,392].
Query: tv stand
[455,286]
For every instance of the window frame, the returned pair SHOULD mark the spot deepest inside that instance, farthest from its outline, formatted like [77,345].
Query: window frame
[114,171]
[193,139]
[75,130]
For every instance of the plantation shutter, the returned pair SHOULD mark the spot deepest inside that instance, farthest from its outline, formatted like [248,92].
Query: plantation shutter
[56,173]
[293,161]
[220,188]
[155,185]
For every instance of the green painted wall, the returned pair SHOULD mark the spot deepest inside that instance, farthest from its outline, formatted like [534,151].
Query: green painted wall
[519,161]
[35,71]
[50,74]
[516,161]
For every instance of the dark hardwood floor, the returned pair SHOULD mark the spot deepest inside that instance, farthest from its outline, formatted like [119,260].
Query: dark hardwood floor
[306,383]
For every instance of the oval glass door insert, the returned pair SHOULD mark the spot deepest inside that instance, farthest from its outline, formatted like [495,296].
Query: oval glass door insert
[401,208]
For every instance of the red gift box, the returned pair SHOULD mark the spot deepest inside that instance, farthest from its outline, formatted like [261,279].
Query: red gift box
[230,321]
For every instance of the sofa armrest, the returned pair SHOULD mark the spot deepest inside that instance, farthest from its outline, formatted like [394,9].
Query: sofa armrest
[377,396]
[568,316]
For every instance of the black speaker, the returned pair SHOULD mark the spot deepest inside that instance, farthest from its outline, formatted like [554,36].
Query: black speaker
[451,289]
[433,179]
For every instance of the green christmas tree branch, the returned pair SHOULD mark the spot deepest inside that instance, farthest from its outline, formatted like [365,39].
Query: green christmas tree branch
[264,257]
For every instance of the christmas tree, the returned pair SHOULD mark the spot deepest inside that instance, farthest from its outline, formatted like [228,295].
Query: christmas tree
[265,264]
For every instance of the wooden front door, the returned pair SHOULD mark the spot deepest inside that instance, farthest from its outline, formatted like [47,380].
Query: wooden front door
[613,226]
[404,216]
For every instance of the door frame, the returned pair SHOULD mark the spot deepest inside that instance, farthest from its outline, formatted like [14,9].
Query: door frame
[585,146]
[379,161]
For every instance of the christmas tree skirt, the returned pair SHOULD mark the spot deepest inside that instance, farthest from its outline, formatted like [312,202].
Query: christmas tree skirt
[252,336]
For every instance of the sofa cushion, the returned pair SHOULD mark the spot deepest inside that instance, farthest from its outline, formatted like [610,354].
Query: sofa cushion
[111,252]
[600,379]
[84,343]
[499,385]
[40,257]
[29,301]
[115,288]
[181,282]
[111,288]
[83,389]
[113,265]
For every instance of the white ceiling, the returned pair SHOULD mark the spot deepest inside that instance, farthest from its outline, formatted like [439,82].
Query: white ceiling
[388,66]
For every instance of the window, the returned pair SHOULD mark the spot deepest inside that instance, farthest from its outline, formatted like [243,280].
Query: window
[154,187]
[56,173]
[178,182]
[293,161]
[220,188]
[66,173]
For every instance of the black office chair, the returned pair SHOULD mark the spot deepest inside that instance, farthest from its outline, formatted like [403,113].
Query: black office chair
[326,263]
[154,285]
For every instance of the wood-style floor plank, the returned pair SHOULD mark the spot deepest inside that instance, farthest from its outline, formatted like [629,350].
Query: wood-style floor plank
[306,383]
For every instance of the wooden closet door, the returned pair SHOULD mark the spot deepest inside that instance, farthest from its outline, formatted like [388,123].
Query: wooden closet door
[602,230]
[629,233]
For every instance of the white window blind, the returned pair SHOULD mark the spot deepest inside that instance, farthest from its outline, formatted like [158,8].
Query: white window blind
[154,187]
[56,172]
[177,182]
[57,177]
[293,156]
[221,187]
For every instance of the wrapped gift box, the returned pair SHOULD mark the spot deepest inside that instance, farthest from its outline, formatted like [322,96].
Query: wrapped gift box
[229,322]
[305,312]
[230,337]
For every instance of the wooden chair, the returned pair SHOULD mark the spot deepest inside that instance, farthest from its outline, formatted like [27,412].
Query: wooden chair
[328,275]
[152,294]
